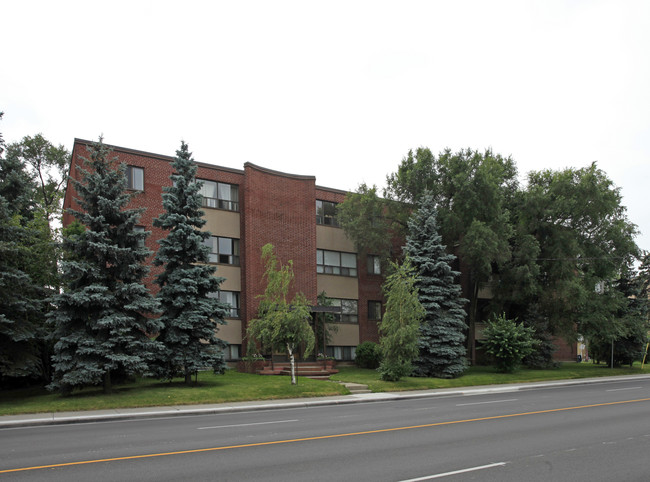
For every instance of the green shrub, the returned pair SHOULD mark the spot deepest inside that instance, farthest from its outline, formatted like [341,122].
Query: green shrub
[393,371]
[367,355]
[541,358]
[508,343]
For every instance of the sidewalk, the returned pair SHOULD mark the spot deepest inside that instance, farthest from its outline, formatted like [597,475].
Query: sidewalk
[38,419]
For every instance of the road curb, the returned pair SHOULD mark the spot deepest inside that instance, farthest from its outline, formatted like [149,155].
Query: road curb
[34,420]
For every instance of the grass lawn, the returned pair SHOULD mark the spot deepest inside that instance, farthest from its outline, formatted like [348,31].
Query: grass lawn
[231,387]
[482,375]
[234,387]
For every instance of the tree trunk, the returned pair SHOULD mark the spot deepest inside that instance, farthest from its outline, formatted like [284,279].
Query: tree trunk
[292,363]
[107,382]
[188,378]
[471,335]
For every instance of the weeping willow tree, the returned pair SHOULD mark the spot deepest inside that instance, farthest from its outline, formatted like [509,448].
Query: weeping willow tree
[282,324]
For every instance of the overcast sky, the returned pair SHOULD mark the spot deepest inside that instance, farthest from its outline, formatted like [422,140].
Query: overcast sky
[339,89]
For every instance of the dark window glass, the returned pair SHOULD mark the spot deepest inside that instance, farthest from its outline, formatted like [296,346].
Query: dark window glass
[374,310]
[349,310]
[219,195]
[230,298]
[223,250]
[335,262]
[135,178]
[347,353]
[326,213]
[374,265]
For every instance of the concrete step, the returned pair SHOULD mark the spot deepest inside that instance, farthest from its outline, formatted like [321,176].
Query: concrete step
[357,388]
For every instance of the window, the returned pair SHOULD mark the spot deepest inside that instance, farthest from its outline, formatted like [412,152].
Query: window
[230,298]
[335,262]
[342,352]
[223,250]
[349,310]
[135,178]
[232,352]
[139,229]
[326,213]
[219,195]
[374,265]
[374,310]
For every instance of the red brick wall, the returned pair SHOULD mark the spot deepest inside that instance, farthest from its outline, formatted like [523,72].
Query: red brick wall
[157,172]
[369,290]
[565,351]
[275,208]
[278,209]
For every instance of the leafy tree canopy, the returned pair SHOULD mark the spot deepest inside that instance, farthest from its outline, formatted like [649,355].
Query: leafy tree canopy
[47,166]
[365,218]
[282,324]
[28,270]
[585,241]
[401,323]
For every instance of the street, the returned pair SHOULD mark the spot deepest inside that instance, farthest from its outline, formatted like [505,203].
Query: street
[590,432]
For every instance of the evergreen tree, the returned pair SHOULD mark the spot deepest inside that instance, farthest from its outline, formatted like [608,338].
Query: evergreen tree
[100,324]
[442,339]
[399,328]
[190,316]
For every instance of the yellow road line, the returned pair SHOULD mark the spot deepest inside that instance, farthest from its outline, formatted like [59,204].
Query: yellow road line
[322,437]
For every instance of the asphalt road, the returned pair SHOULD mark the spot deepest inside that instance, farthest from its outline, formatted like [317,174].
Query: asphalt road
[588,432]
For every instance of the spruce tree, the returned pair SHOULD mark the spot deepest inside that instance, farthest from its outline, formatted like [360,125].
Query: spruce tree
[100,324]
[442,338]
[190,315]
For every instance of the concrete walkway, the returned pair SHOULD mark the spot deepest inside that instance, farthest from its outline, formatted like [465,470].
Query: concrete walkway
[54,418]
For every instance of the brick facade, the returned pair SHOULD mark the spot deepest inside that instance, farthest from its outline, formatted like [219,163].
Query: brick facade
[279,209]
[274,207]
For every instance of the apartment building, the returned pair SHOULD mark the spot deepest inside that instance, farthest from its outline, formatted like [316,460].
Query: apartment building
[246,209]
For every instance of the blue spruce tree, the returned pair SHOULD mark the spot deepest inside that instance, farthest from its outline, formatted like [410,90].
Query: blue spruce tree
[191,313]
[442,338]
[101,325]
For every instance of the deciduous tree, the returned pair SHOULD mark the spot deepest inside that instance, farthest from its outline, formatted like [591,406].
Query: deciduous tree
[400,325]
[282,324]
[28,272]
[369,221]
[585,242]
[48,165]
